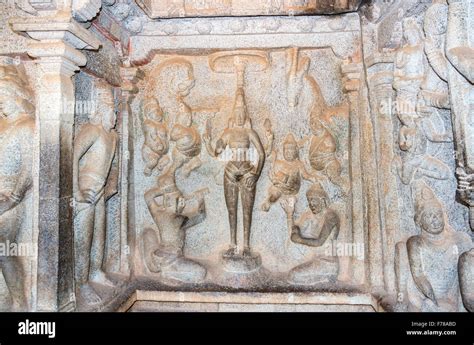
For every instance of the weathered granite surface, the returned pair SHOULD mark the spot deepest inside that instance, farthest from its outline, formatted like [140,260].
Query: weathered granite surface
[236,155]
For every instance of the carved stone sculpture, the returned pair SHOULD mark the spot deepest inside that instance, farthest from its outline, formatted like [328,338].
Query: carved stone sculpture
[416,128]
[426,264]
[240,175]
[324,225]
[459,52]
[94,150]
[17,130]
[286,176]
[466,277]
[156,143]
[323,147]
[171,211]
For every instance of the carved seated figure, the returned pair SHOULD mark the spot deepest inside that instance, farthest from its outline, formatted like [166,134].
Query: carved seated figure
[286,176]
[466,279]
[324,224]
[426,265]
[17,130]
[156,144]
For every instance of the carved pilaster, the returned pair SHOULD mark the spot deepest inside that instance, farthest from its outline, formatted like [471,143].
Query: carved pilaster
[363,149]
[380,74]
[129,78]
[57,59]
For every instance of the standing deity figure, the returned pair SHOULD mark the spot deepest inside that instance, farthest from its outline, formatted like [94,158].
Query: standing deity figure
[17,130]
[324,224]
[156,145]
[240,175]
[285,176]
[427,264]
[94,151]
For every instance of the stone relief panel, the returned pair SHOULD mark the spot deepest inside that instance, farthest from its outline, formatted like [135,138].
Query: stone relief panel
[18,247]
[221,182]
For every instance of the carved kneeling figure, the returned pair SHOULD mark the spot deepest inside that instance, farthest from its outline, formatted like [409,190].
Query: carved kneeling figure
[426,265]
[325,224]
[173,213]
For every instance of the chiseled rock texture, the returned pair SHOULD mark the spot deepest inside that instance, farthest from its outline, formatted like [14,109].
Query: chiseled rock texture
[281,155]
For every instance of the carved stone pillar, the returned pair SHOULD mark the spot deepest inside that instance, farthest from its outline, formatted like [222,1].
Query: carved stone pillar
[365,201]
[380,74]
[57,59]
[129,78]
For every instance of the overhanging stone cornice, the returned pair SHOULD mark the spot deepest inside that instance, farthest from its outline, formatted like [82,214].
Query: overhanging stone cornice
[62,28]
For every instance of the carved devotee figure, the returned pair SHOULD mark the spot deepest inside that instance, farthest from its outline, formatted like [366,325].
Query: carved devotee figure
[413,108]
[323,149]
[17,132]
[466,279]
[427,264]
[414,161]
[240,175]
[173,213]
[323,154]
[286,176]
[176,76]
[434,88]
[324,225]
[94,151]
[409,73]
[155,146]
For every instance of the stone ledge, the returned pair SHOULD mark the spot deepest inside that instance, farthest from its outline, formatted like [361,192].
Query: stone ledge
[148,301]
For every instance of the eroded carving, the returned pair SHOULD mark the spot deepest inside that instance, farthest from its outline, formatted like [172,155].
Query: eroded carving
[323,223]
[156,144]
[94,150]
[466,277]
[415,116]
[426,264]
[286,176]
[172,211]
[17,128]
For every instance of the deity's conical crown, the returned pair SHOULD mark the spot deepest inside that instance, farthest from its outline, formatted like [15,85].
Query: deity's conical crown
[290,140]
[425,199]
[316,190]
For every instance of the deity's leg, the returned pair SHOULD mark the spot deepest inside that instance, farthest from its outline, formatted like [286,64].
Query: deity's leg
[14,274]
[231,192]
[83,231]
[12,266]
[248,199]
[96,273]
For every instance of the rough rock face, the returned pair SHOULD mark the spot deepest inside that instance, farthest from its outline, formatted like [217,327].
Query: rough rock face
[209,8]
[259,155]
